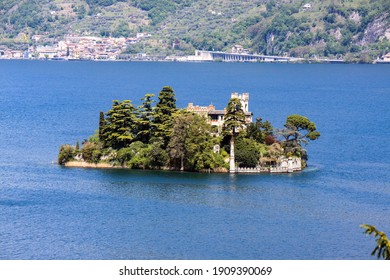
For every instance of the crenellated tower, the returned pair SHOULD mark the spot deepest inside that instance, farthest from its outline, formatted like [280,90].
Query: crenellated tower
[244,98]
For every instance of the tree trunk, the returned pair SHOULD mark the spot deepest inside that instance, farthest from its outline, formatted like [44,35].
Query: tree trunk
[232,158]
[182,163]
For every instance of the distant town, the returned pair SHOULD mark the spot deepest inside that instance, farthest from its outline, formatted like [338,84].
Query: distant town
[74,47]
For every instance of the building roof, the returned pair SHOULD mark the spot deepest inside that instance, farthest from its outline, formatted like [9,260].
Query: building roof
[217,112]
[223,112]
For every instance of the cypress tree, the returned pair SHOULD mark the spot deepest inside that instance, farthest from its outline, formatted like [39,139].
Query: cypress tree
[101,126]
[233,122]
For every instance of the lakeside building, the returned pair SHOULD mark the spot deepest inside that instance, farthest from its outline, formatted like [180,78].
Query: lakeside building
[74,47]
[216,117]
[11,54]
[385,59]
[47,52]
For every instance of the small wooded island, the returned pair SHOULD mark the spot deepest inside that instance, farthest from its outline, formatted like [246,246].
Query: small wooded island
[193,139]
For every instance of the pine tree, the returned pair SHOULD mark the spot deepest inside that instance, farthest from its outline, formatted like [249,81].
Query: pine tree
[234,121]
[162,114]
[298,131]
[120,125]
[145,117]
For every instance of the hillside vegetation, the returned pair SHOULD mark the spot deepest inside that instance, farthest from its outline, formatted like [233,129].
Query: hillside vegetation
[353,29]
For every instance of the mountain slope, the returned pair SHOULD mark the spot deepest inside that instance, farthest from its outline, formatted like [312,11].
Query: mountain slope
[352,29]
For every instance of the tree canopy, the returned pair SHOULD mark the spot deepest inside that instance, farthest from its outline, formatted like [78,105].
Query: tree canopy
[119,128]
[234,118]
[259,130]
[163,112]
[234,121]
[145,118]
[297,124]
[298,131]
[163,137]
[191,143]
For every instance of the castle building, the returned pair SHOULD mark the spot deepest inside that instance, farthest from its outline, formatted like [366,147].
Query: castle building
[216,117]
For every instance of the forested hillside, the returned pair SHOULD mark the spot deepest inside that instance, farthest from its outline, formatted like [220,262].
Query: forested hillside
[352,29]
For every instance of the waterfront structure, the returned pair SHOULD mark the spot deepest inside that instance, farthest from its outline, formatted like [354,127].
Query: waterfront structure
[46,52]
[240,55]
[287,165]
[237,57]
[385,59]
[306,7]
[216,117]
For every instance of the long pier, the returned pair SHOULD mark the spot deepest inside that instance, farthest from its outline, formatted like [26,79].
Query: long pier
[244,57]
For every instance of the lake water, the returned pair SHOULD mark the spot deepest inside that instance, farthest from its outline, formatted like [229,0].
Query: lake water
[50,212]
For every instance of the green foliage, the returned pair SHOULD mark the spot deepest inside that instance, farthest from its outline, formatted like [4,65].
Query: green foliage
[163,112]
[139,157]
[135,156]
[247,152]
[284,28]
[259,130]
[122,30]
[91,151]
[234,117]
[158,10]
[289,30]
[101,125]
[66,153]
[382,248]
[298,130]
[134,49]
[145,119]
[162,137]
[234,121]
[157,155]
[119,129]
[191,144]
[80,11]
[27,15]
[103,3]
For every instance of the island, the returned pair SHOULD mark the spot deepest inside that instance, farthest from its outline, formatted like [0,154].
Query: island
[157,135]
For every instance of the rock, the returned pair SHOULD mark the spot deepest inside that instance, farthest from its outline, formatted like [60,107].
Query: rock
[375,30]
[87,164]
[355,17]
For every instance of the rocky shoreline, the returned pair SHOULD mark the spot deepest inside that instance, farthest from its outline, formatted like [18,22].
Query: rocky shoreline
[84,164]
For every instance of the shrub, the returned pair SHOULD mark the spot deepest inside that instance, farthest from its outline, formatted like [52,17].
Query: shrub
[67,152]
[91,151]
[157,156]
[247,153]
[124,155]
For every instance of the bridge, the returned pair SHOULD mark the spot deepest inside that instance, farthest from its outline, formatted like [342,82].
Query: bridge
[238,57]
[244,57]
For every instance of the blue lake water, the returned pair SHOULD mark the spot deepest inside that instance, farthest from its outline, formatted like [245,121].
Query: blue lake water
[50,212]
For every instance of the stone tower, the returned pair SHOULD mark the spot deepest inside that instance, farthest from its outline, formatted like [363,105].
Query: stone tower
[244,98]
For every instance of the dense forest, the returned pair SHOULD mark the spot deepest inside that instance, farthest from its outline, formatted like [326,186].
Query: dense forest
[158,135]
[357,30]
